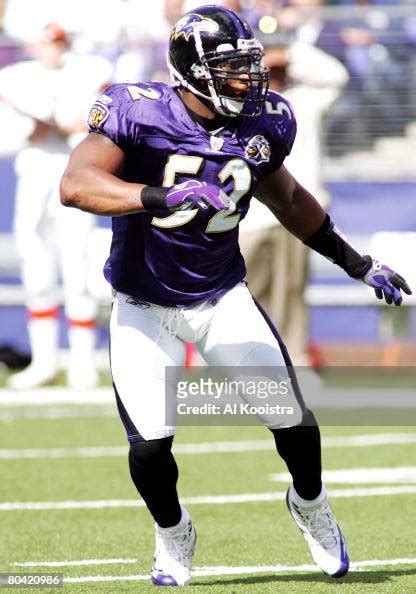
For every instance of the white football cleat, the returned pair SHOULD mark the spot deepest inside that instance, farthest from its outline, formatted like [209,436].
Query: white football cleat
[33,376]
[322,533]
[174,552]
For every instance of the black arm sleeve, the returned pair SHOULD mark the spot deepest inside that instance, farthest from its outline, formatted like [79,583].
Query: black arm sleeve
[330,243]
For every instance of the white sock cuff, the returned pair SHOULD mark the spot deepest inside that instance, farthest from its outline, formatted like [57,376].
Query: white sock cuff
[185,516]
[308,502]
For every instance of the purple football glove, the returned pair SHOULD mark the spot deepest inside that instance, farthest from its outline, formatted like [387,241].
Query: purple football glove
[193,193]
[386,283]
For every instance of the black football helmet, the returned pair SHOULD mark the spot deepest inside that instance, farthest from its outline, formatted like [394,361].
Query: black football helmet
[214,54]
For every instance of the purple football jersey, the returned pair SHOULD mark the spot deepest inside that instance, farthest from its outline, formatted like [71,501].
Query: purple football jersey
[182,258]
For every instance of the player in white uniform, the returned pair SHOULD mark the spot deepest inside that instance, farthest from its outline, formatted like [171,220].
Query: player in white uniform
[52,93]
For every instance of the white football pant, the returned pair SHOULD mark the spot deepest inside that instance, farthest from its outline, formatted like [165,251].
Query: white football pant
[145,338]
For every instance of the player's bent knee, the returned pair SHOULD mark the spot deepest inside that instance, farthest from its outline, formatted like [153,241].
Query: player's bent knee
[147,452]
[304,417]
[293,416]
[309,419]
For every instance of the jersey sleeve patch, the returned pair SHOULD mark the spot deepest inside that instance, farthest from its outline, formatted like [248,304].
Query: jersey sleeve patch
[109,115]
[258,149]
[98,115]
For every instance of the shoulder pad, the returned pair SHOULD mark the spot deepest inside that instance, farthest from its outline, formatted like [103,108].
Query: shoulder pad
[278,105]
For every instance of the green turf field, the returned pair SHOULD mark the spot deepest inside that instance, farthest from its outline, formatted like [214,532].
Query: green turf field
[235,539]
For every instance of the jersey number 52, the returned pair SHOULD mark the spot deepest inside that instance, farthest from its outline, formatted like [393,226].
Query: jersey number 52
[221,221]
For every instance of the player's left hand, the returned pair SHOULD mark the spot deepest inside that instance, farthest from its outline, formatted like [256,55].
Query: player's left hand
[193,193]
[386,283]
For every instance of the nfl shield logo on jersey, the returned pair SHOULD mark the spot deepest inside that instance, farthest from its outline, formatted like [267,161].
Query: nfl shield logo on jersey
[216,143]
[258,149]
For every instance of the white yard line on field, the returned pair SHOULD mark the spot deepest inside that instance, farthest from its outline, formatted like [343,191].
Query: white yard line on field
[201,500]
[361,476]
[76,563]
[371,440]
[205,571]
[226,570]
[87,452]
[325,396]
[58,412]
[56,395]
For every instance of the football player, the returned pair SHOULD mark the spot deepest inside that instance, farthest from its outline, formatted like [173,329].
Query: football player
[63,86]
[175,166]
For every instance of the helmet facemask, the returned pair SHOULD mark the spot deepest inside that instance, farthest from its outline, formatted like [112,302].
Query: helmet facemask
[236,81]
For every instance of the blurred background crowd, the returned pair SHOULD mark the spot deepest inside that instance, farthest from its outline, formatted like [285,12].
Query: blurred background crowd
[348,66]
[374,39]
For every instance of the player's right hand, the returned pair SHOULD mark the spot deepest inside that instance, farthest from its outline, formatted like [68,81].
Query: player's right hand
[193,193]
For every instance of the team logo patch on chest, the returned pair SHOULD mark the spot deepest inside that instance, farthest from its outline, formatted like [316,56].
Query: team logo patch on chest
[258,149]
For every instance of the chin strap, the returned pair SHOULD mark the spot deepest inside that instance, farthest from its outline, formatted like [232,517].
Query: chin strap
[233,107]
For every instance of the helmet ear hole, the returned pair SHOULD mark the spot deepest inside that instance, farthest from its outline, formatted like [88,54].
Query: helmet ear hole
[204,48]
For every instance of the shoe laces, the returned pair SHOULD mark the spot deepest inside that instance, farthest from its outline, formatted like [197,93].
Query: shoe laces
[321,524]
[177,544]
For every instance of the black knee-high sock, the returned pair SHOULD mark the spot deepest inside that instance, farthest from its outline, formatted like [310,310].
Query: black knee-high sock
[300,448]
[154,472]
